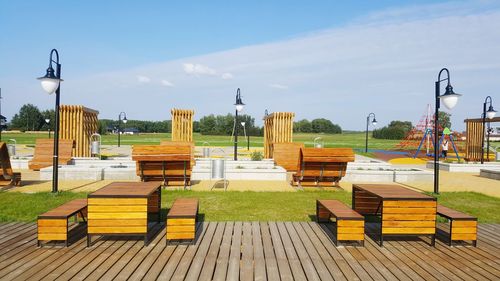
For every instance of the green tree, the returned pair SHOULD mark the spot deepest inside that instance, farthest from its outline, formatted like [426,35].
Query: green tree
[396,130]
[29,118]
[444,119]
[322,125]
[302,126]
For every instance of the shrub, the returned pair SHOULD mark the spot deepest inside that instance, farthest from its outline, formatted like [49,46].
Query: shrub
[257,156]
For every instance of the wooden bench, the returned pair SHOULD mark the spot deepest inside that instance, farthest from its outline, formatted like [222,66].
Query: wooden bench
[182,219]
[169,163]
[44,153]
[287,155]
[350,225]
[462,226]
[54,224]
[322,166]
[8,178]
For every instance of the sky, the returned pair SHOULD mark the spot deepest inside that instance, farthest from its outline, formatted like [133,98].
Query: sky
[338,60]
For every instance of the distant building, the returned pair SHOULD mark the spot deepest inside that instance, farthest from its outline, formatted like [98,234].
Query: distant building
[130,131]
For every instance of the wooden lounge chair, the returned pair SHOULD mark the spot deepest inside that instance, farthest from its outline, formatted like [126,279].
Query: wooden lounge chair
[44,151]
[171,164]
[8,178]
[287,155]
[322,166]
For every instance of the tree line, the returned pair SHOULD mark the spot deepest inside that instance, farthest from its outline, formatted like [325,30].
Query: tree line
[31,118]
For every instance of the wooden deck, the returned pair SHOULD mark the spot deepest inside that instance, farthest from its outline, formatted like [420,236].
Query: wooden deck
[249,251]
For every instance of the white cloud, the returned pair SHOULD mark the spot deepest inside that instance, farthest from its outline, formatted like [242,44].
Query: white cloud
[143,79]
[167,83]
[278,86]
[198,69]
[227,76]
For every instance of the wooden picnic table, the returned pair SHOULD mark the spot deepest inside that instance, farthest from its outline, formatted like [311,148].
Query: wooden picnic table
[123,208]
[402,211]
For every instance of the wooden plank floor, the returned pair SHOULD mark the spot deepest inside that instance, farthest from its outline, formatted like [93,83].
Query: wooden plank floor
[249,251]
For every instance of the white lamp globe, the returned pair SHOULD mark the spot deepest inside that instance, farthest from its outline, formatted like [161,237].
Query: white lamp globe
[125,120]
[449,98]
[239,107]
[243,124]
[374,122]
[49,85]
[491,113]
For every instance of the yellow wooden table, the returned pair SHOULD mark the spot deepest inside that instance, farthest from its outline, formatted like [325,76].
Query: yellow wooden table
[403,211]
[123,208]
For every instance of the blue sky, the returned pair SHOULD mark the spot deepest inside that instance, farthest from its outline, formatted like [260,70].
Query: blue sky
[334,59]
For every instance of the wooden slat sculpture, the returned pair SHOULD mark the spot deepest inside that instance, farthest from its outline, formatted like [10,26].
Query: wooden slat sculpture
[322,166]
[278,128]
[78,123]
[182,125]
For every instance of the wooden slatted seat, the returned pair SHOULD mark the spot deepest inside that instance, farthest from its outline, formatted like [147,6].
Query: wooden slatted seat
[44,151]
[54,226]
[8,177]
[322,166]
[350,225]
[170,163]
[462,226]
[182,219]
[287,155]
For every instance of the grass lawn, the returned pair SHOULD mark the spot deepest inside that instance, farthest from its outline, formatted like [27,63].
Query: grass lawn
[243,206]
[353,140]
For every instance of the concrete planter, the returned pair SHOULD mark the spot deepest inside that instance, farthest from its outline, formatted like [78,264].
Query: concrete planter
[241,170]
[464,168]
[19,163]
[67,172]
[490,174]
[388,176]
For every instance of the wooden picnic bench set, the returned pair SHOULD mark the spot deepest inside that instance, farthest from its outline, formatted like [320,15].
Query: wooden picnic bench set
[402,211]
[118,209]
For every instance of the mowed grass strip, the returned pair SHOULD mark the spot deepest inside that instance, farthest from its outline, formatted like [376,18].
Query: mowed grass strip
[355,140]
[243,206]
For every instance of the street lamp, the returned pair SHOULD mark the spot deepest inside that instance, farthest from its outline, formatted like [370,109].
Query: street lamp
[47,121]
[120,120]
[239,107]
[490,114]
[374,123]
[449,99]
[51,83]
[247,136]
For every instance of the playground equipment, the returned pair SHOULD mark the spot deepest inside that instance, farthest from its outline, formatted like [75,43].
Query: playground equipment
[428,134]
[78,123]
[182,125]
[278,128]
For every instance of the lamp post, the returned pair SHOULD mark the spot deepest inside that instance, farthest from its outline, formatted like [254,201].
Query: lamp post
[239,107]
[47,121]
[246,136]
[486,114]
[374,123]
[449,99]
[120,120]
[51,83]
